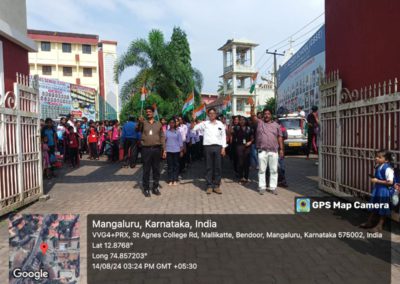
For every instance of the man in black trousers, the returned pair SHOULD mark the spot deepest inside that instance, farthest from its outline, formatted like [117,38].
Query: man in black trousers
[153,146]
[214,149]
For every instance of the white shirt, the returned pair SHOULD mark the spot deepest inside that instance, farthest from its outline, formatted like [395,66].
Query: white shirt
[389,173]
[71,123]
[214,133]
[183,129]
[201,132]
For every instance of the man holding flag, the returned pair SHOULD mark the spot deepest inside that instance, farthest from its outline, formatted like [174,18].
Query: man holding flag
[153,144]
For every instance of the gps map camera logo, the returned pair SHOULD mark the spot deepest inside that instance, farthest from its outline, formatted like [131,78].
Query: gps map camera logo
[303,205]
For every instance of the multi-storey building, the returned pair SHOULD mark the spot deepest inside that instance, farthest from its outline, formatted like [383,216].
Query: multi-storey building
[238,69]
[78,59]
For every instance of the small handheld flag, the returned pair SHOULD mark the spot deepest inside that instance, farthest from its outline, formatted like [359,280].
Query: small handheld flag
[189,103]
[144,92]
[156,116]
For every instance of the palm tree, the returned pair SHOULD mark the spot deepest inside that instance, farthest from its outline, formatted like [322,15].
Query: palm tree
[221,87]
[160,68]
[153,59]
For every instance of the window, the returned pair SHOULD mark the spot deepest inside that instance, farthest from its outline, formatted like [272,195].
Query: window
[45,46]
[86,48]
[67,71]
[87,72]
[66,47]
[291,123]
[46,70]
[240,104]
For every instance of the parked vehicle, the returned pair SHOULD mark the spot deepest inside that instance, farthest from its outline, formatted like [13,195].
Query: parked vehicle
[296,130]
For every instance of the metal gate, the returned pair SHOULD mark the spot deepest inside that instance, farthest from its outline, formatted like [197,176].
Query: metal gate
[20,152]
[354,125]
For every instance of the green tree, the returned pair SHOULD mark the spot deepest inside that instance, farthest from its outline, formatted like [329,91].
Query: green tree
[151,57]
[164,68]
[270,104]
[133,106]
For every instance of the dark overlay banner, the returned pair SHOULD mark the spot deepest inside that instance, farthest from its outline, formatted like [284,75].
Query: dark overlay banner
[301,248]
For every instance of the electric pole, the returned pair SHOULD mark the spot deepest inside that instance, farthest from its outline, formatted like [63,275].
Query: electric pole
[275,53]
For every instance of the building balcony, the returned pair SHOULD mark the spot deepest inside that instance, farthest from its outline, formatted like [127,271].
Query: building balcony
[242,91]
[228,69]
[239,68]
[244,68]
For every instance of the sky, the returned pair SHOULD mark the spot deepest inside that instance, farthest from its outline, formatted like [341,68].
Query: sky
[207,23]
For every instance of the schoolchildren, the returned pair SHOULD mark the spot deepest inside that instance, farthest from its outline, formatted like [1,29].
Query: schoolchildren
[102,141]
[46,157]
[79,131]
[115,137]
[382,180]
[49,131]
[92,140]
[73,140]
[108,146]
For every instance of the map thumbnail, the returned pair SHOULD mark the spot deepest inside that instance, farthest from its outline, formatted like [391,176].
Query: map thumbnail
[44,248]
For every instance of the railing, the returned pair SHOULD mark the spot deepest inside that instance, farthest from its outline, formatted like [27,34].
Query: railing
[239,68]
[20,153]
[354,125]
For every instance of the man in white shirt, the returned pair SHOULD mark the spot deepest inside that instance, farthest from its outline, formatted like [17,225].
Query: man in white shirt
[214,142]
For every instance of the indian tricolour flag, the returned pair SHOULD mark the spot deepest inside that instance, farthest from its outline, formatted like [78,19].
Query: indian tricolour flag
[189,104]
[228,104]
[144,93]
[200,112]
[156,116]
[253,85]
[224,107]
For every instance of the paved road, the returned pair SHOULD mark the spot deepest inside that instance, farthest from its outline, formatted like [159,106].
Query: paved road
[98,187]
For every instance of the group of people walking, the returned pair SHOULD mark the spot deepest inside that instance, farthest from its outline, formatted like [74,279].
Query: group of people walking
[257,141]
[69,138]
[175,141]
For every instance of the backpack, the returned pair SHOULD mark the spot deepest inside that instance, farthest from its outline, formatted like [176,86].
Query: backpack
[73,141]
[394,194]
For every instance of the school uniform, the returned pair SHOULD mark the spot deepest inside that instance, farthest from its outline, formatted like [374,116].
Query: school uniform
[73,147]
[381,192]
[93,139]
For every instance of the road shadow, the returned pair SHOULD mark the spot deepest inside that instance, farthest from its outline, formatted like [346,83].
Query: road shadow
[92,171]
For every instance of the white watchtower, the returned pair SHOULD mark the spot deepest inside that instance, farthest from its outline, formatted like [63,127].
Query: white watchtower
[238,69]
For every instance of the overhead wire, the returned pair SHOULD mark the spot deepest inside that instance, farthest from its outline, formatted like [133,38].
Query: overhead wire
[309,23]
[296,39]
[269,58]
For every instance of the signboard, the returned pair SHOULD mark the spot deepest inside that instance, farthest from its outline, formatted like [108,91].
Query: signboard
[55,99]
[83,102]
[297,79]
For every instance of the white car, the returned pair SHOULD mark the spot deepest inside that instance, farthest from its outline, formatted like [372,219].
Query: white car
[296,129]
